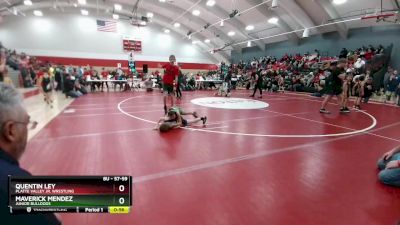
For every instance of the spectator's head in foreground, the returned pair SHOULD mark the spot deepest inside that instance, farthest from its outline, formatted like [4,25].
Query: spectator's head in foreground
[14,121]
[2,53]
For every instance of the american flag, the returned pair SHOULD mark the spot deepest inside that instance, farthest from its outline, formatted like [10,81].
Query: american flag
[106,26]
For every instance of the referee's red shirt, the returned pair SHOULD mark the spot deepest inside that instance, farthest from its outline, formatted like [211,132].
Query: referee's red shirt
[171,71]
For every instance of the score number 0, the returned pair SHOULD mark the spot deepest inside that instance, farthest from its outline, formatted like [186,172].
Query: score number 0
[121,188]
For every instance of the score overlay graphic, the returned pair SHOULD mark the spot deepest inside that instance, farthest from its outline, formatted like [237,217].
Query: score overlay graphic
[76,194]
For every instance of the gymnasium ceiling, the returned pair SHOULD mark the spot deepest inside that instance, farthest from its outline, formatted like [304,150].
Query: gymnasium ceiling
[291,14]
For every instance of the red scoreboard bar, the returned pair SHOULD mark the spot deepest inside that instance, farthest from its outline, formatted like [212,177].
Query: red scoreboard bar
[77,194]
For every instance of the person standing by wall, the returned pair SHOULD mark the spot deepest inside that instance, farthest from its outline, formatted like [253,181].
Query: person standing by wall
[24,69]
[257,80]
[386,77]
[104,76]
[391,86]
[178,86]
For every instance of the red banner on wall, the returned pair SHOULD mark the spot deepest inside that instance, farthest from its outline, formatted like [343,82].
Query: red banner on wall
[132,45]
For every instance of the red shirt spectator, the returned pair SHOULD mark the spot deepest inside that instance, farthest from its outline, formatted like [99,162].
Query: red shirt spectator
[171,72]
[91,72]
[86,75]
[104,74]
[40,73]
[368,55]
[316,79]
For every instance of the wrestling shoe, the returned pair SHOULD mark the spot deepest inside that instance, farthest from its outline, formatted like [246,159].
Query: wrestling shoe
[346,110]
[204,119]
[324,111]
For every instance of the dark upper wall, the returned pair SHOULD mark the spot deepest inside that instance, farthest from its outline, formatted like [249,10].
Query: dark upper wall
[331,44]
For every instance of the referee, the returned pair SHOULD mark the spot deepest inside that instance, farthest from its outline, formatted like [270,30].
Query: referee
[333,84]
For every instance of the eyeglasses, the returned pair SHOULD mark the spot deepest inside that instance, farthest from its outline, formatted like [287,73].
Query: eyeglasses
[31,125]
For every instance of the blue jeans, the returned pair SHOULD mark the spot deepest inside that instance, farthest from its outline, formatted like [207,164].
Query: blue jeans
[389,176]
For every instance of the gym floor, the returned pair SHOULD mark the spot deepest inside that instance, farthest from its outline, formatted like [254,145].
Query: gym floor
[283,164]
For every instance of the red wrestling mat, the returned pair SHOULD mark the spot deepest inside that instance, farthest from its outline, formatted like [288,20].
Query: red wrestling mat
[284,164]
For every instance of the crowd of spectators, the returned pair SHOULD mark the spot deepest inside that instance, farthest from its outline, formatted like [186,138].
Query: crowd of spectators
[71,80]
[307,72]
[27,66]
[31,70]
[298,72]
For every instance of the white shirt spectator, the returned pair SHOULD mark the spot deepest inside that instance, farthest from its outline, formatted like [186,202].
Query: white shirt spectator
[120,72]
[359,63]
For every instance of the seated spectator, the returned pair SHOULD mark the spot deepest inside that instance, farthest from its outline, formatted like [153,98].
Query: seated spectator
[104,76]
[296,83]
[149,84]
[191,83]
[359,66]
[119,75]
[69,87]
[268,84]
[343,53]
[370,47]
[369,54]
[95,76]
[323,76]
[3,67]
[380,50]
[368,74]
[158,80]
[12,60]
[79,86]
[199,83]
[281,83]
[389,166]
[80,71]
[362,52]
